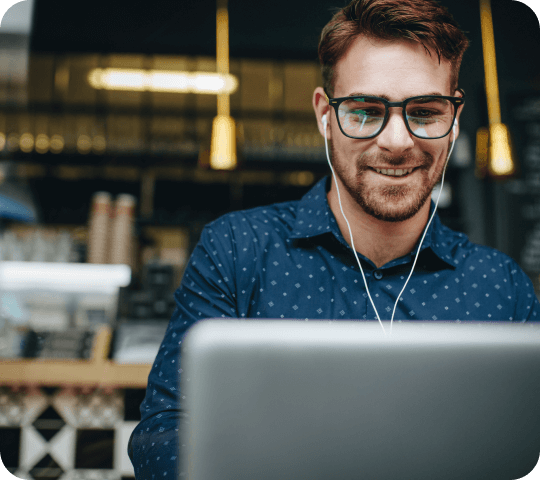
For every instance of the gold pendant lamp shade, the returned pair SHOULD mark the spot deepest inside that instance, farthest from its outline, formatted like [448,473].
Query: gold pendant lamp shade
[493,147]
[223,144]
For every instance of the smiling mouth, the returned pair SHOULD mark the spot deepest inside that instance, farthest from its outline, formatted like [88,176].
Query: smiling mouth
[391,172]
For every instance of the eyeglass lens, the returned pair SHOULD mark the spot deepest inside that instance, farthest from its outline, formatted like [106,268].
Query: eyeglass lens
[427,117]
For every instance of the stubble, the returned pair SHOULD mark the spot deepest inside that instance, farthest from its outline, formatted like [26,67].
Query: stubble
[387,203]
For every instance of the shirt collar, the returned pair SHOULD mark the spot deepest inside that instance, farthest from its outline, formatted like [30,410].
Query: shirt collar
[314,217]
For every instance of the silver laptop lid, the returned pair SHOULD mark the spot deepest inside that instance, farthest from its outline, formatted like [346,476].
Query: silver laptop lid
[311,400]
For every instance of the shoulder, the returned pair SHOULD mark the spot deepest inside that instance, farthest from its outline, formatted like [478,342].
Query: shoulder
[480,261]
[278,217]
[484,257]
[487,264]
[490,275]
[462,250]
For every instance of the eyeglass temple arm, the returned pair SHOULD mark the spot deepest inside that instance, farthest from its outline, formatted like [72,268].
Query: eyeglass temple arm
[326,95]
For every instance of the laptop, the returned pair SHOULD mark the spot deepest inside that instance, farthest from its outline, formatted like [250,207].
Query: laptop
[287,399]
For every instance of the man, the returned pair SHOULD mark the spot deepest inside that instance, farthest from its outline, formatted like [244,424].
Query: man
[295,259]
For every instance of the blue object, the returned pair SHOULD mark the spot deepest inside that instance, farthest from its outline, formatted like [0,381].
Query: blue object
[290,260]
[14,210]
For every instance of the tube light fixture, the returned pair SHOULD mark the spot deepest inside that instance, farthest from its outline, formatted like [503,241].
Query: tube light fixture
[132,79]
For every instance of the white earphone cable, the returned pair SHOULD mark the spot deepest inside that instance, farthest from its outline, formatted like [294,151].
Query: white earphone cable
[425,230]
[350,231]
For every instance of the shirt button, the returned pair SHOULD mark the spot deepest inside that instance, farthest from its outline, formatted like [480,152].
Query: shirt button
[377,274]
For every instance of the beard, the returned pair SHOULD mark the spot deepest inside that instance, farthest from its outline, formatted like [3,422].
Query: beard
[390,203]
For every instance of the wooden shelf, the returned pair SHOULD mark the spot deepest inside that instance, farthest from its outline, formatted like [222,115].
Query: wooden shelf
[96,372]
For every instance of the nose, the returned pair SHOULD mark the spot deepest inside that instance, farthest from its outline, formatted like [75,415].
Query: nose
[395,138]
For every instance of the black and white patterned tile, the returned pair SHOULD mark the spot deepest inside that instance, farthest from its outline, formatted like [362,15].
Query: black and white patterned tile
[68,433]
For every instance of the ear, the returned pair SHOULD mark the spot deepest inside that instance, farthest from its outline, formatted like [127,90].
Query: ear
[321,107]
[457,93]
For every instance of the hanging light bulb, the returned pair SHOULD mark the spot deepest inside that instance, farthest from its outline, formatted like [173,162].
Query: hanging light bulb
[223,146]
[500,153]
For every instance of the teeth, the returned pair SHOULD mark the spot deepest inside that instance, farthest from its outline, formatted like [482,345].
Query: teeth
[394,173]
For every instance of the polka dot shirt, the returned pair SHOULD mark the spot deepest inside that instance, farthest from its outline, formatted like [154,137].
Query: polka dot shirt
[290,260]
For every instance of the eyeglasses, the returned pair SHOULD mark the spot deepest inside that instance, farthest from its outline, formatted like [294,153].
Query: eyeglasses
[426,116]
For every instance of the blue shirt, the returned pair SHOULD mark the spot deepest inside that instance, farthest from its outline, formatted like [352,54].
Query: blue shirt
[290,260]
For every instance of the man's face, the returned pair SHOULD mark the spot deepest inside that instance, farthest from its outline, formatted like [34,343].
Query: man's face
[396,71]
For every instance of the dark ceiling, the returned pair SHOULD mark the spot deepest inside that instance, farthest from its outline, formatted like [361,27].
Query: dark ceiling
[272,29]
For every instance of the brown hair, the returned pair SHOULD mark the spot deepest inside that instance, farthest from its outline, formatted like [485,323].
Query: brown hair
[423,21]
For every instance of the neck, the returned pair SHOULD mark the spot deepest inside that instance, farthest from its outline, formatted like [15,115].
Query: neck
[377,240]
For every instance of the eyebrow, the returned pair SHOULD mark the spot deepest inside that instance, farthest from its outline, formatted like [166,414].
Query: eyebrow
[387,98]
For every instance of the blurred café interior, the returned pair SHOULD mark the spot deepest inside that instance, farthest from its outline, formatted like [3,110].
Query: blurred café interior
[125,127]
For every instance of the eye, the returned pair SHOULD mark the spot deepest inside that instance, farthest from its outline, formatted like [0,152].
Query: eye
[368,112]
[424,113]
[428,108]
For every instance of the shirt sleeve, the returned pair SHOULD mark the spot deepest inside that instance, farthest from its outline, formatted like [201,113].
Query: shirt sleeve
[527,305]
[207,291]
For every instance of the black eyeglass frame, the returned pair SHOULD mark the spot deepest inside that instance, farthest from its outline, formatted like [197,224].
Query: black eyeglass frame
[456,101]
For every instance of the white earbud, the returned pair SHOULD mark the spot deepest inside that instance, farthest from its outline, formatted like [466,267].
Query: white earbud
[454,130]
[324,121]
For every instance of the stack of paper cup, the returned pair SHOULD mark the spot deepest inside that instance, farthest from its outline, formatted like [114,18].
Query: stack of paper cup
[98,231]
[122,230]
